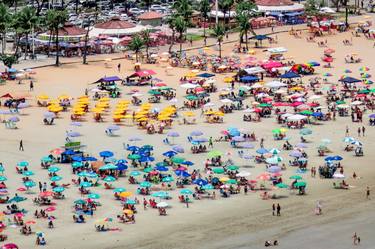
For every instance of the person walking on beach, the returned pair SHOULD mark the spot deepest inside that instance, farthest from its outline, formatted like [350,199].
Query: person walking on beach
[40,186]
[347,131]
[245,189]
[261,142]
[210,142]
[187,200]
[355,239]
[119,67]
[278,209]
[31,85]
[144,203]
[368,193]
[363,131]
[273,209]
[21,146]
[359,131]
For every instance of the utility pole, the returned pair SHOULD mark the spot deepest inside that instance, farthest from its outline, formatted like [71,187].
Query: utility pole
[217,12]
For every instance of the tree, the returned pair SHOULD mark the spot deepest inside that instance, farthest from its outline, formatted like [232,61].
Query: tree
[184,9]
[204,8]
[244,11]
[311,7]
[28,21]
[181,27]
[147,3]
[219,32]
[146,40]
[56,20]
[225,6]
[171,23]
[5,21]
[244,25]
[8,60]
[136,44]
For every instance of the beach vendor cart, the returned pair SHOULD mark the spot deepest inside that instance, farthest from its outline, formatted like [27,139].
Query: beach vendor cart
[140,78]
[72,149]
[109,84]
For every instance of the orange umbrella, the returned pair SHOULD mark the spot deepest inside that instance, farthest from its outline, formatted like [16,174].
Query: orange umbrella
[125,194]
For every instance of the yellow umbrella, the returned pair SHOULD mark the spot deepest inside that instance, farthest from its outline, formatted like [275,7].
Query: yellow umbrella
[118,116]
[127,211]
[142,119]
[190,75]
[219,113]
[64,96]
[79,113]
[206,49]
[128,116]
[97,109]
[124,101]
[209,113]
[189,114]
[228,79]
[43,97]
[224,179]
[125,194]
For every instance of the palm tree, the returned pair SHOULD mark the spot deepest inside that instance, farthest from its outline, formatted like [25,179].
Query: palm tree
[219,32]
[181,27]
[171,23]
[184,9]
[244,25]
[204,8]
[28,20]
[56,20]
[136,44]
[146,40]
[244,11]
[5,20]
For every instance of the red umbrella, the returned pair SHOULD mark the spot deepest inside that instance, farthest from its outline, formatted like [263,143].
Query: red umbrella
[264,176]
[329,51]
[30,222]
[9,246]
[19,215]
[46,194]
[50,209]
[21,189]
[160,84]
[280,104]
[57,151]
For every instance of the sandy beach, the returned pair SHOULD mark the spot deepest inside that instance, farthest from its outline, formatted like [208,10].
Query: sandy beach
[239,222]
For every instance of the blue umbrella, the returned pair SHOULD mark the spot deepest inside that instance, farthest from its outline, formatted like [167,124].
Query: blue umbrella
[160,194]
[181,173]
[53,169]
[170,153]
[145,184]
[78,158]
[85,184]
[56,178]
[178,148]
[23,164]
[106,153]
[188,163]
[337,158]
[295,154]
[262,151]
[29,184]
[173,134]
[161,168]
[69,152]
[196,133]
[121,166]
[200,182]
[73,134]
[147,159]
[90,159]
[132,148]
[208,187]
[199,140]
[58,189]
[135,173]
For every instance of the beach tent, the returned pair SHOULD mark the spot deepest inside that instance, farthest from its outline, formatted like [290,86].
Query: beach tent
[254,70]
[249,78]
[108,79]
[143,73]
[289,75]
[259,37]
[206,75]
[350,80]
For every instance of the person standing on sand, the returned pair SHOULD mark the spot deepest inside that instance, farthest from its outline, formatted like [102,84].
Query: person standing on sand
[210,142]
[21,146]
[368,193]
[347,132]
[359,131]
[278,209]
[119,67]
[363,131]
[31,85]
[355,239]
[273,209]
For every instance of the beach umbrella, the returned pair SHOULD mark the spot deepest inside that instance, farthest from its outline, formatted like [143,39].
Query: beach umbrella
[135,173]
[146,159]
[187,163]
[300,184]
[133,148]
[181,173]
[357,143]
[73,134]
[262,151]
[77,164]
[93,196]
[56,178]
[29,184]
[200,182]
[57,151]
[238,139]
[178,148]
[243,174]
[326,141]
[274,151]
[9,246]
[162,205]
[74,123]
[173,134]
[301,145]
[119,190]
[125,194]
[273,160]
[296,177]
[80,202]
[113,128]
[134,157]
[145,184]
[233,167]
[214,153]
[147,170]
[170,153]
[337,158]
[305,131]
[130,202]
[177,160]
[106,153]
[53,169]
[218,170]
[22,164]
[281,185]
[274,169]
[160,194]
[338,176]
[109,179]
[295,153]
[247,146]
[231,181]
[17,199]
[264,176]
[27,173]
[196,133]
[3,178]
[161,168]
[208,187]
[85,184]
[168,179]
[46,159]
[58,189]
[186,192]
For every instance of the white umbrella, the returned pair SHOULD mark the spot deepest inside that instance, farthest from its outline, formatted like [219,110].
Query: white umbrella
[296,117]
[338,176]
[162,204]
[226,101]
[243,174]
[188,85]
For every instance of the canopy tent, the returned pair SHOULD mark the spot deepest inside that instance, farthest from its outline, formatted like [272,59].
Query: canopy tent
[290,75]
[277,50]
[143,73]
[108,79]
[249,78]
[259,37]
[254,70]
[206,75]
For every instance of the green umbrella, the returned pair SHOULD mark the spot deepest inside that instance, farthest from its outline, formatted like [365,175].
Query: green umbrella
[154,92]
[145,184]
[214,153]
[134,157]
[77,164]
[164,88]
[30,184]
[306,112]
[135,173]
[168,179]
[233,167]
[130,202]
[109,179]
[56,178]
[93,196]
[276,131]
[218,170]
[79,202]
[208,187]
[160,194]
[119,190]
[300,184]
[305,131]
[58,189]
[53,169]
[28,173]
[186,192]
[296,177]
[147,170]
[108,166]
[178,160]
[191,97]
[46,159]
[282,185]
[264,105]
[23,164]
[231,181]
[340,102]
[85,184]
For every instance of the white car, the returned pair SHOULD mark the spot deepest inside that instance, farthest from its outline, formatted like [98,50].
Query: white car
[135,11]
